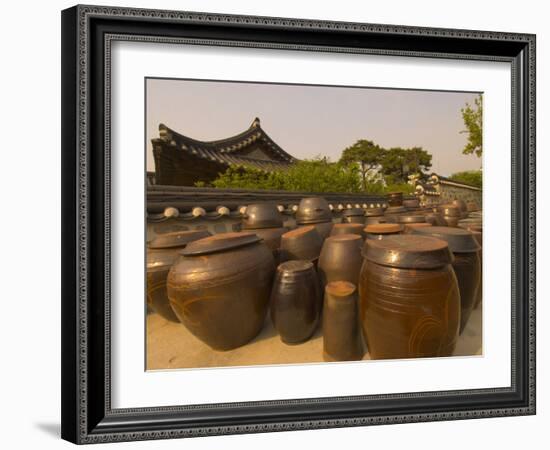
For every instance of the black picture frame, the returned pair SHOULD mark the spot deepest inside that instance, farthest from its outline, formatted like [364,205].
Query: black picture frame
[87,416]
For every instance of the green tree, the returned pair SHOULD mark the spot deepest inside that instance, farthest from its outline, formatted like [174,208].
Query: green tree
[317,175]
[472,177]
[398,163]
[366,154]
[473,121]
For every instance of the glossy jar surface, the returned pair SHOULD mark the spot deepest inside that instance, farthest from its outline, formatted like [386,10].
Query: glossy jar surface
[341,331]
[262,215]
[340,259]
[313,210]
[409,298]
[295,301]
[466,264]
[162,251]
[382,230]
[219,288]
[354,215]
[303,243]
[395,199]
[348,228]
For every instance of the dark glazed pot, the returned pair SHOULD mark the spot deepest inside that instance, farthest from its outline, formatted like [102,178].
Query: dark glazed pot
[395,199]
[461,205]
[302,243]
[374,212]
[382,230]
[313,210]
[466,264]
[272,238]
[451,214]
[295,301]
[410,303]
[219,288]
[162,251]
[323,229]
[435,218]
[340,259]
[341,331]
[410,218]
[348,228]
[262,215]
[411,204]
[472,206]
[353,215]
[374,220]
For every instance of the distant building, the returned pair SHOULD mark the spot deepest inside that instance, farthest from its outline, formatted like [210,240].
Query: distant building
[182,161]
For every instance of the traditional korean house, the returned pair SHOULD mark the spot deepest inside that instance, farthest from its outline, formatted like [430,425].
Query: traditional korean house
[183,161]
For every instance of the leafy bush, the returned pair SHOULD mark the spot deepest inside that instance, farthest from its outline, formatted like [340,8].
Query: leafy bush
[471,177]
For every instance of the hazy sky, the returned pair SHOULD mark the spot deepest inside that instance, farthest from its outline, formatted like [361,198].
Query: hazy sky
[314,120]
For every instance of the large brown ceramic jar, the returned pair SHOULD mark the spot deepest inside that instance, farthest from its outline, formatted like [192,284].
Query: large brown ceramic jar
[466,264]
[395,199]
[262,215]
[382,230]
[341,331]
[302,243]
[410,218]
[374,212]
[348,228]
[219,288]
[411,204]
[410,303]
[340,259]
[162,251]
[353,215]
[451,214]
[435,218]
[295,301]
[313,210]
[461,205]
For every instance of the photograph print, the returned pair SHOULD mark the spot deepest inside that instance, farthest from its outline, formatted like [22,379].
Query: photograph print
[296,224]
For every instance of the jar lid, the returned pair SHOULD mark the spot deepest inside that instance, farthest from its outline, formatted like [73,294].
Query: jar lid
[177,238]
[346,228]
[295,265]
[340,289]
[383,228]
[219,243]
[374,212]
[410,218]
[408,252]
[459,240]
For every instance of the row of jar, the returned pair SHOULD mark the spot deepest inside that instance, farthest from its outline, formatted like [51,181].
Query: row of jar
[220,285]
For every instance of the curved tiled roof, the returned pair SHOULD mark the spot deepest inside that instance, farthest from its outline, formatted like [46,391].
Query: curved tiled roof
[232,150]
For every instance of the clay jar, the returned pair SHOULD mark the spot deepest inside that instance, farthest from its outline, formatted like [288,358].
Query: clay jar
[219,288]
[409,298]
[348,228]
[466,264]
[411,204]
[162,251]
[315,211]
[262,215]
[395,199]
[340,259]
[353,215]
[451,214]
[341,331]
[461,205]
[295,301]
[382,230]
[302,243]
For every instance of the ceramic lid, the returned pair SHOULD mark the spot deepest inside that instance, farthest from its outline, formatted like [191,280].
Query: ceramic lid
[374,212]
[177,238]
[408,252]
[383,228]
[340,289]
[220,242]
[262,215]
[411,218]
[293,266]
[459,240]
[345,228]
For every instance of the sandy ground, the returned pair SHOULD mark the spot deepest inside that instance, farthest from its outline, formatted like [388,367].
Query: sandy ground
[171,346]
